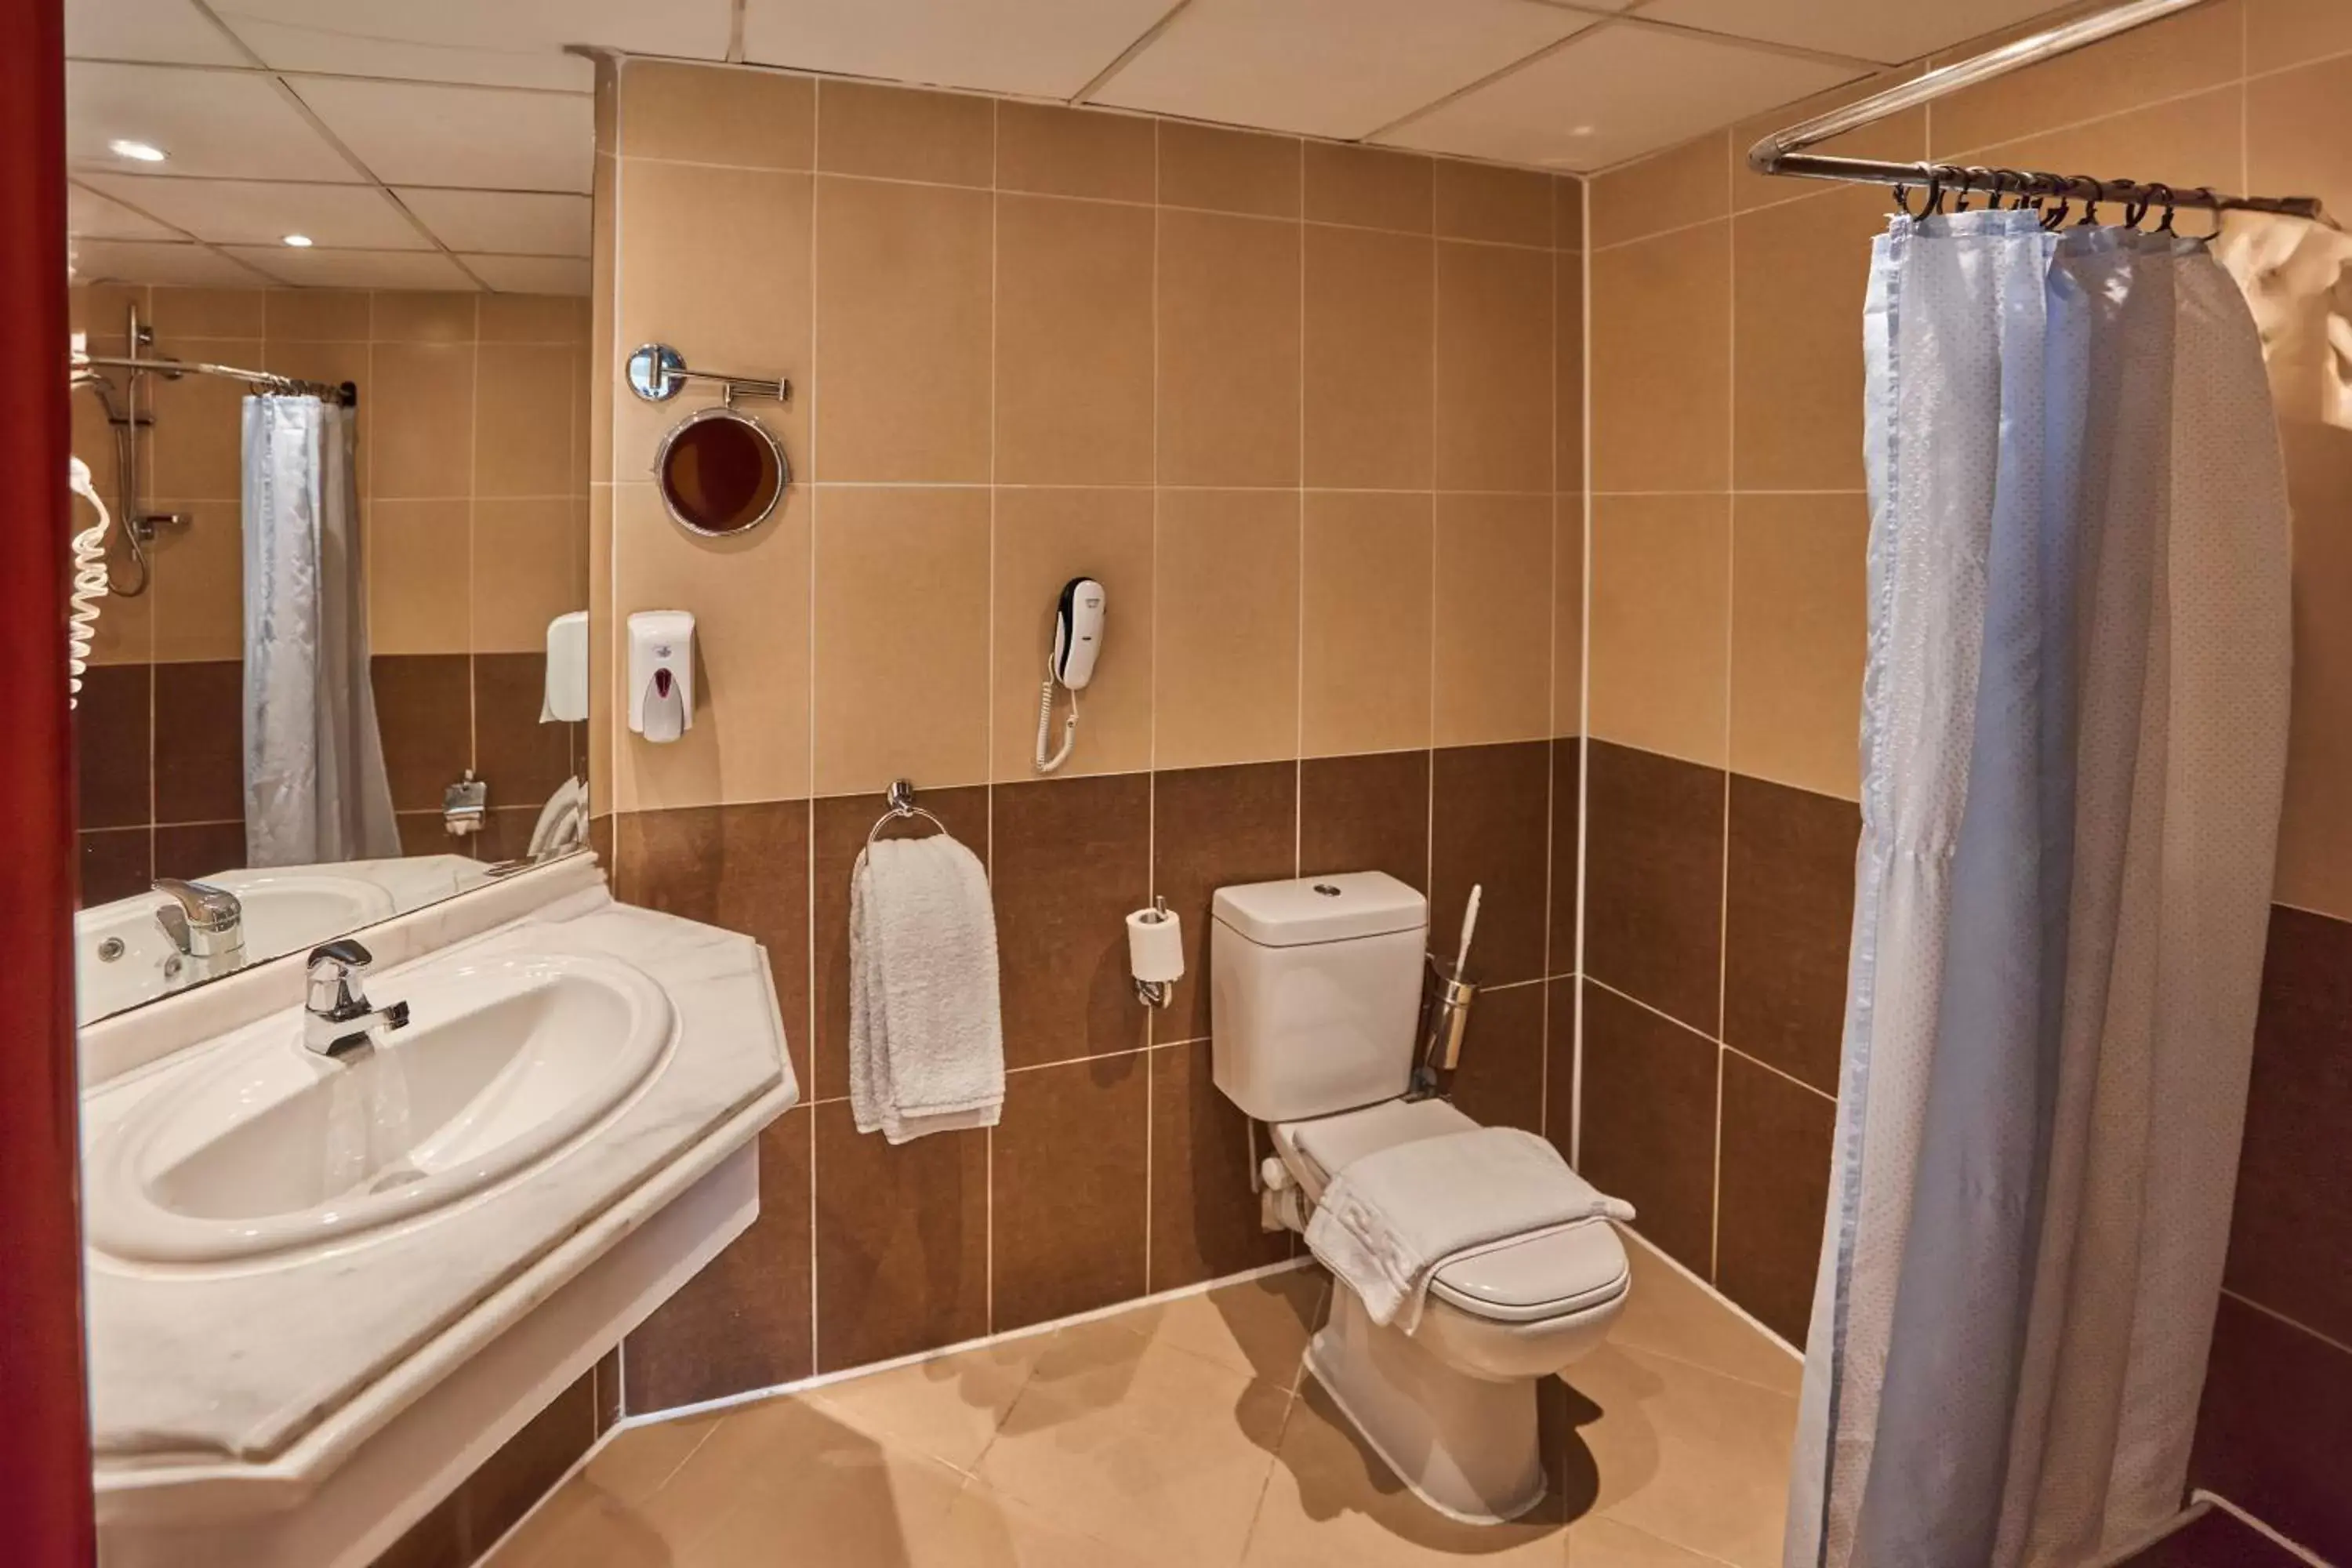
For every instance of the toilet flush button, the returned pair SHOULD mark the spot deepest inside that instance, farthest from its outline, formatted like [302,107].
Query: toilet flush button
[1326,889]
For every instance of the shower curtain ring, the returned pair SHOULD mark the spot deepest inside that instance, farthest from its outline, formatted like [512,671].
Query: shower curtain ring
[1931,200]
[2090,217]
[2136,207]
[2165,224]
[2212,204]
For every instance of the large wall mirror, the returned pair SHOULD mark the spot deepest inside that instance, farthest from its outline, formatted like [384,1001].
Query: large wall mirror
[329,600]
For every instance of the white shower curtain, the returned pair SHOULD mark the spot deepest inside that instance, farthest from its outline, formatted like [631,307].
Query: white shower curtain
[2074,737]
[315,785]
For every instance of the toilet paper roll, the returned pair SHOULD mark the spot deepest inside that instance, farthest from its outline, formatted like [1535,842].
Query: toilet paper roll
[1155,946]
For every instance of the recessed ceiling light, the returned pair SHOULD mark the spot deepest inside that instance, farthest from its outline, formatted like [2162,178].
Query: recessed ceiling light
[1581,129]
[138,151]
[299,241]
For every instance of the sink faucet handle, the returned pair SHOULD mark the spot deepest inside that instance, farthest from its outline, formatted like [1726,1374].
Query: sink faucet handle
[203,905]
[334,969]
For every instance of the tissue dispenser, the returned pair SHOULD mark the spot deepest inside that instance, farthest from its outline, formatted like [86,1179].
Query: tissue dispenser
[661,673]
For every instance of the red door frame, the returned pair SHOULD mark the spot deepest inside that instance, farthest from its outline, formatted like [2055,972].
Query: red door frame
[45,1497]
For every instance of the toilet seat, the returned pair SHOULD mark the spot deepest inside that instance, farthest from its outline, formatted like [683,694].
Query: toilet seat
[1552,1274]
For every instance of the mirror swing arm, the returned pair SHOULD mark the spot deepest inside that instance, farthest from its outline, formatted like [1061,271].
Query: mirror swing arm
[719,471]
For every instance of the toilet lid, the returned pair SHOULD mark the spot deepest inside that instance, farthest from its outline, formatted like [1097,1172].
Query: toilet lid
[1548,1275]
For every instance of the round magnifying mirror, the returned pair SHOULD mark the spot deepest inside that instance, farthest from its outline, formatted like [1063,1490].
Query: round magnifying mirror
[656,372]
[720,472]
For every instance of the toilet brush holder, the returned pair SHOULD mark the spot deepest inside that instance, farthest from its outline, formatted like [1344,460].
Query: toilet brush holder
[1447,1017]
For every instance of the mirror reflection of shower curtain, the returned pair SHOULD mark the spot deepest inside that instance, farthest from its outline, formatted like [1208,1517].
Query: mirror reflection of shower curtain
[315,785]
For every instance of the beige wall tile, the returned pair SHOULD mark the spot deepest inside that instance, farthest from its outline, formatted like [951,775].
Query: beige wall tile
[317,315]
[1568,617]
[1225,658]
[1672,189]
[1042,539]
[1899,137]
[99,310]
[1568,212]
[1660,595]
[1229,350]
[902,332]
[1495,595]
[902,133]
[424,317]
[2299,133]
[1371,186]
[1494,425]
[717,114]
[522,419]
[2195,140]
[1370,331]
[1365,607]
[532,319]
[196,445]
[716,257]
[530,561]
[1798,605]
[1075,151]
[902,635]
[125,632]
[1797,303]
[419,554]
[1481,201]
[1568,372]
[1661,331]
[1072,341]
[2200,48]
[602,683]
[604,357]
[2288,32]
[421,424]
[2315,856]
[750,595]
[1228,171]
[199,585]
[204,313]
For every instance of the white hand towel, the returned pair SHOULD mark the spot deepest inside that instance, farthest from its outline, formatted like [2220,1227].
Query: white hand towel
[1390,1220]
[926,1035]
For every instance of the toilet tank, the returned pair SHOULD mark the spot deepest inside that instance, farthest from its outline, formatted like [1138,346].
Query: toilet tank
[1314,991]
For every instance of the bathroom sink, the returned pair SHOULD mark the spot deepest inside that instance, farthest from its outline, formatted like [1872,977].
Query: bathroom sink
[123,958]
[505,1061]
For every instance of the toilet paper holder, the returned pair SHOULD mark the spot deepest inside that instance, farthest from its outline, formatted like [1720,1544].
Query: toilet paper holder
[1155,994]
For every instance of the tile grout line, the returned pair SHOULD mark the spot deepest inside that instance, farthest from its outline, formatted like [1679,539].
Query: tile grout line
[987,716]
[808,616]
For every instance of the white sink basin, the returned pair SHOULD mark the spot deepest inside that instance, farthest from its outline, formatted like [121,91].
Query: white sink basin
[284,911]
[505,1061]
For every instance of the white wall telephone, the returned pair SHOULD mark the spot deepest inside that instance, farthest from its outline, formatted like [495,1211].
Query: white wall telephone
[1078,639]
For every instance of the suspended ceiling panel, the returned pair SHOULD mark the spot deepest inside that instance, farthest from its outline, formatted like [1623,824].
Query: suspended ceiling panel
[525,223]
[354,268]
[263,212]
[510,43]
[419,133]
[231,124]
[1613,94]
[89,212]
[1328,67]
[1888,31]
[1045,48]
[139,261]
[171,30]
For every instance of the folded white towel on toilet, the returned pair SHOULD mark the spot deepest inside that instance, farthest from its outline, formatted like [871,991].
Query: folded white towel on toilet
[1390,1220]
[926,1035]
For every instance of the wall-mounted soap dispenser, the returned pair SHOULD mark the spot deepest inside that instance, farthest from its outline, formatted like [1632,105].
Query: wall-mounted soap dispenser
[661,673]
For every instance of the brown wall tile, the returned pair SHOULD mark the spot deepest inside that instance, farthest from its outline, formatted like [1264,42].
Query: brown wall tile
[1076,152]
[1369,304]
[1371,186]
[1204,1218]
[1653,879]
[1042,538]
[744,868]
[1365,814]
[1366,622]
[1214,827]
[1788,918]
[899,133]
[113,762]
[1073,342]
[742,1322]
[700,114]
[1567,824]
[1661,356]
[200,742]
[1228,171]
[1069,857]
[1648,1115]
[1229,350]
[2275,1425]
[1494,625]
[1490,809]
[2213,1538]
[1559,1063]
[524,760]
[1494,368]
[423,707]
[1226,668]
[1067,1168]
[2290,1237]
[1775,1188]
[196,851]
[902,332]
[901,1241]
[1500,1081]
[1483,201]
[116,863]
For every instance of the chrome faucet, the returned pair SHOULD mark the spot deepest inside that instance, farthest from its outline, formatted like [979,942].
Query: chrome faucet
[337,1015]
[205,925]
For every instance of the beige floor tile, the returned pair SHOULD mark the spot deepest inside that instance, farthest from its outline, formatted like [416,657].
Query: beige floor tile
[1688,1455]
[985,1529]
[1673,1315]
[1152,1450]
[1605,1543]
[640,1461]
[582,1526]
[948,1409]
[1259,1327]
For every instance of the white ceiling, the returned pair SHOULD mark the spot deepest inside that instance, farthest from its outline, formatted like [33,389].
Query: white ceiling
[448,143]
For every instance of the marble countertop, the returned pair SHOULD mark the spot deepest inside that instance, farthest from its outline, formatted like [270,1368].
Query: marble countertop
[196,1364]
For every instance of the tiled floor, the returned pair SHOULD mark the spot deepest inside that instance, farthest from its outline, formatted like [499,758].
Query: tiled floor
[1182,1435]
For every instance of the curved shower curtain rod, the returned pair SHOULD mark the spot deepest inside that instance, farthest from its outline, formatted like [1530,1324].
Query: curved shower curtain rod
[172,369]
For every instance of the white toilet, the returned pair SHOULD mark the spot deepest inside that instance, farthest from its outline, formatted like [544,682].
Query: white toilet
[1315,997]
